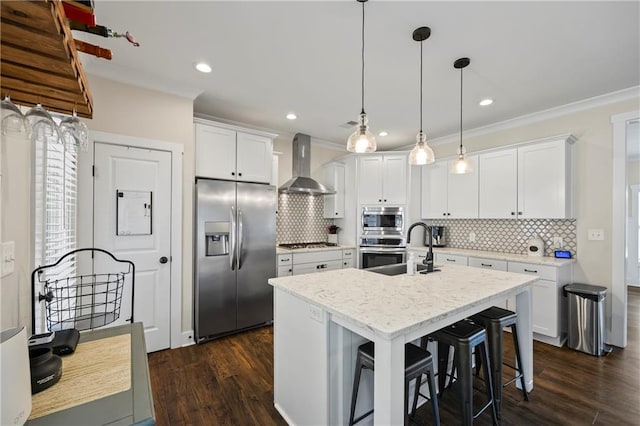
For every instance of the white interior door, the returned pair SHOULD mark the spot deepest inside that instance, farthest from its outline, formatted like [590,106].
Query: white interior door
[132,220]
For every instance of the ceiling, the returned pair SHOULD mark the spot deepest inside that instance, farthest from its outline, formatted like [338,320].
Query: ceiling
[271,58]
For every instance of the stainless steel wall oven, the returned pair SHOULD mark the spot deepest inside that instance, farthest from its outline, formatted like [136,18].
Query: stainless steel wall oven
[379,250]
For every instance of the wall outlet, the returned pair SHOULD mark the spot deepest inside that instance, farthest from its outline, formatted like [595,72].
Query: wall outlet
[595,234]
[472,237]
[8,258]
[557,243]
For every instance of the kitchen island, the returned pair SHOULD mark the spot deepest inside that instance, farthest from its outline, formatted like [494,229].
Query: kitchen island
[320,319]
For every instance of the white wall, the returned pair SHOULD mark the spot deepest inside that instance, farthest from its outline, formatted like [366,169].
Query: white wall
[15,289]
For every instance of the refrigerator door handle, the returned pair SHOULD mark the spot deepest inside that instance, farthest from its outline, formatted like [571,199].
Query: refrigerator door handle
[232,234]
[240,235]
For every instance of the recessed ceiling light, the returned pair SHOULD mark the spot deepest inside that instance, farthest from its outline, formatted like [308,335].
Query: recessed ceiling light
[203,67]
[383,133]
[486,102]
[291,116]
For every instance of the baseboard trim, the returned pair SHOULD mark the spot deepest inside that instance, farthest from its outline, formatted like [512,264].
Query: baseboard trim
[187,338]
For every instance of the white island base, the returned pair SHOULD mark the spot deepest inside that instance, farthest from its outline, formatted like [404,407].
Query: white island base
[321,319]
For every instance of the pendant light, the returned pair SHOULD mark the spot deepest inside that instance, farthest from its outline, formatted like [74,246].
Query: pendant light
[422,153]
[362,140]
[462,165]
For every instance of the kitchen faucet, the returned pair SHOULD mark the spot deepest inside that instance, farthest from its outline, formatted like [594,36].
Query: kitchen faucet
[428,261]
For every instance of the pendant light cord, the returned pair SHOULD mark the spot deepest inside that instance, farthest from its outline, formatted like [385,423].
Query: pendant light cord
[420,86]
[362,80]
[461,110]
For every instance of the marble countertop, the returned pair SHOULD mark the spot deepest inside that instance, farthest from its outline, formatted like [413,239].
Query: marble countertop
[393,305]
[512,257]
[282,250]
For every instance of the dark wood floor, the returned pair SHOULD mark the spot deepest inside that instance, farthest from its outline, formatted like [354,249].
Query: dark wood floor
[230,382]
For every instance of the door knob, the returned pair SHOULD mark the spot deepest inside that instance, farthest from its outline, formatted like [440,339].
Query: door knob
[164,259]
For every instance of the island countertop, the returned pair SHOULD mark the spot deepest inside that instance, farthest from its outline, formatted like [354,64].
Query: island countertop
[393,305]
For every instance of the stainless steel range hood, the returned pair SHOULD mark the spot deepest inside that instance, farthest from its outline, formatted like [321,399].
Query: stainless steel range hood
[301,183]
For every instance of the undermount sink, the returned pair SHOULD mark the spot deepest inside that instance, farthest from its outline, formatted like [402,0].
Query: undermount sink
[398,269]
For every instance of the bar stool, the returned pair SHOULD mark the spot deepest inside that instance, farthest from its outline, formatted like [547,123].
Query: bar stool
[494,320]
[464,336]
[417,362]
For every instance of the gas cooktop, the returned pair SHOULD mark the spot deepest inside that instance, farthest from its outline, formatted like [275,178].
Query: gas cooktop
[293,246]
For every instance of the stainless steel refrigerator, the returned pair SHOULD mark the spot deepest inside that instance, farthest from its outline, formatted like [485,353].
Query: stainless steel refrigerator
[235,243]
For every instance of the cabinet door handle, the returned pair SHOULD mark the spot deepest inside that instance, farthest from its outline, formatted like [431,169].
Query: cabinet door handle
[290,270]
[239,174]
[519,212]
[385,200]
[323,266]
[451,260]
[336,213]
[448,214]
[233,173]
[488,265]
[444,214]
[345,263]
[380,200]
[531,270]
[513,213]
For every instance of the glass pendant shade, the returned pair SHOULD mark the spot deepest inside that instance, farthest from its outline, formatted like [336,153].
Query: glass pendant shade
[362,140]
[461,165]
[422,153]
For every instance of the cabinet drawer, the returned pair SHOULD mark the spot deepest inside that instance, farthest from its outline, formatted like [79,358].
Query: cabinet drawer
[483,262]
[284,271]
[284,259]
[317,256]
[444,259]
[348,254]
[307,268]
[545,272]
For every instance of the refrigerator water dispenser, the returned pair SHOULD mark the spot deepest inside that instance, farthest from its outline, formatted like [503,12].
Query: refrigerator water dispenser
[217,238]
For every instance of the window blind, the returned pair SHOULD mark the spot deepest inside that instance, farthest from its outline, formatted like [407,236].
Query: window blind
[55,201]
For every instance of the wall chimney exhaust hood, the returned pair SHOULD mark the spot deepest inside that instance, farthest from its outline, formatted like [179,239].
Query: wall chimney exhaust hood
[301,183]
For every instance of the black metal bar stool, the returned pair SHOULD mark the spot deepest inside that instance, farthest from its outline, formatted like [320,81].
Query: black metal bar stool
[494,320]
[417,362]
[464,336]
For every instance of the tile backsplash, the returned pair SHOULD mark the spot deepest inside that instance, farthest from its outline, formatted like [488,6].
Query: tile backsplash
[301,219]
[509,235]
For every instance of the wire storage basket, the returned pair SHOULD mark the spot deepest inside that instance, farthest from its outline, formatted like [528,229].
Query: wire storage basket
[82,301]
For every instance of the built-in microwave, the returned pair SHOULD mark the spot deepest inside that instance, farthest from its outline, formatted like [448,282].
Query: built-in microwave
[382,220]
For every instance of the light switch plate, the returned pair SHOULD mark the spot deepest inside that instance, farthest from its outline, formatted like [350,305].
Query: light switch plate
[8,258]
[595,234]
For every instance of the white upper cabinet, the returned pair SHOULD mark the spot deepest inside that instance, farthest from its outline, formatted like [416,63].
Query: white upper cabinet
[448,195]
[531,181]
[382,179]
[334,179]
[544,180]
[225,153]
[498,196]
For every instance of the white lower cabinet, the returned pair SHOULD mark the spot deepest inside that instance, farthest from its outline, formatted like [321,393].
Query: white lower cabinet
[451,259]
[486,263]
[348,258]
[285,265]
[548,305]
[315,261]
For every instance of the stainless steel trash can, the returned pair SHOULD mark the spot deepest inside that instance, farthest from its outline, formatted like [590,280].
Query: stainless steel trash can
[585,310]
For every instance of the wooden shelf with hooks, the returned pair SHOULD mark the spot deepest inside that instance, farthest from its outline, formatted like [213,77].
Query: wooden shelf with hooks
[40,62]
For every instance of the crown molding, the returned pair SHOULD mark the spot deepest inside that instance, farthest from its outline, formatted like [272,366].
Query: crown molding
[594,102]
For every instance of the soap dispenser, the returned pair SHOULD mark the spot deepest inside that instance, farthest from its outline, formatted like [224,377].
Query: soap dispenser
[411,263]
